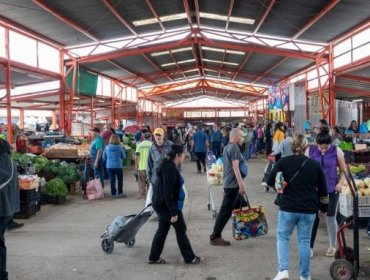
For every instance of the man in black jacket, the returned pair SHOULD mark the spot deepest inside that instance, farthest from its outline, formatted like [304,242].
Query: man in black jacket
[9,199]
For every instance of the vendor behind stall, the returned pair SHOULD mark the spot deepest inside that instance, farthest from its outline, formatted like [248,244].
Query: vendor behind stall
[353,127]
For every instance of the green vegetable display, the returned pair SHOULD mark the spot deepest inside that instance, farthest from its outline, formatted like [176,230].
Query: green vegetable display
[56,187]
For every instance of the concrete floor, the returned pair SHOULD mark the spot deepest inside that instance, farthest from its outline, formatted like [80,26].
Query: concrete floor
[62,242]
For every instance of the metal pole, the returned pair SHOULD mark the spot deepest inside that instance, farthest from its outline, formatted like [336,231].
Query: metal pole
[8,88]
[91,112]
[332,116]
[62,113]
[21,118]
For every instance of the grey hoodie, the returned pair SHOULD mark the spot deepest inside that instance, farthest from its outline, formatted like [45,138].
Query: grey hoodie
[9,193]
[155,156]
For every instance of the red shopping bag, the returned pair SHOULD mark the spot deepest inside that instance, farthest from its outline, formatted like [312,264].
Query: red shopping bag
[94,189]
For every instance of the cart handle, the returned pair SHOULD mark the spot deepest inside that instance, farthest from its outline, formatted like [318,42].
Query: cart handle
[350,181]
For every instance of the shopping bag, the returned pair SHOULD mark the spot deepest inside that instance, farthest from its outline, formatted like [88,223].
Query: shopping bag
[94,189]
[249,222]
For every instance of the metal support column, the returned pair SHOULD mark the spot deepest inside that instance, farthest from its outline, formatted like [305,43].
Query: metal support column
[21,118]
[8,80]
[307,97]
[62,113]
[332,116]
[91,112]
[113,105]
[54,120]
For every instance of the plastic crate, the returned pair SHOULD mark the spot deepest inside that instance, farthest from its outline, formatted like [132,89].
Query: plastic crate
[346,206]
[26,212]
[28,195]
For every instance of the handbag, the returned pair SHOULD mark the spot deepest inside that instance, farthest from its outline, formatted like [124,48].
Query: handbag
[280,180]
[248,221]
[94,189]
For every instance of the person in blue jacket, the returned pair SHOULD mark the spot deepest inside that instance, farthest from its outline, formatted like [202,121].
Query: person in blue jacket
[114,156]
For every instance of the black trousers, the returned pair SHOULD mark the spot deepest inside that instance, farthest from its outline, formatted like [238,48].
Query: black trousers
[161,235]
[230,202]
[201,158]
[331,211]
[4,221]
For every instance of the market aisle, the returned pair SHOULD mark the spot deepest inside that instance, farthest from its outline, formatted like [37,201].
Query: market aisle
[62,242]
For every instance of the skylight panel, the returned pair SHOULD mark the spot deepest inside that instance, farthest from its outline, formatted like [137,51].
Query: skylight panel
[154,20]
[222,50]
[178,62]
[172,51]
[224,18]
[220,62]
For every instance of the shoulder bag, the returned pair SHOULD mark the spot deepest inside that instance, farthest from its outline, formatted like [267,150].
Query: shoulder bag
[279,196]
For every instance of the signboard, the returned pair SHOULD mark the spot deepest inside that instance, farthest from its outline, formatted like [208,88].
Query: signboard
[278,100]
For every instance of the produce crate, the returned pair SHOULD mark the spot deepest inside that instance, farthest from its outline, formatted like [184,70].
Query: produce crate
[26,212]
[346,205]
[29,195]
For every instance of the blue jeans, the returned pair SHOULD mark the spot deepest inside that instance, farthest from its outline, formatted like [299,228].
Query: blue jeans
[216,149]
[286,223]
[113,173]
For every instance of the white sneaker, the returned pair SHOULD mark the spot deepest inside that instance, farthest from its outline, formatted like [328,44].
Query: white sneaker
[302,278]
[282,275]
[264,184]
[311,253]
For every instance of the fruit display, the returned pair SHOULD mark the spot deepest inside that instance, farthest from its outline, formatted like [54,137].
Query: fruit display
[361,168]
[63,150]
[363,187]
[215,174]
[28,182]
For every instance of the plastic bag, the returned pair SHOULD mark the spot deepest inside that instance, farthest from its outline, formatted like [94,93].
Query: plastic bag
[94,189]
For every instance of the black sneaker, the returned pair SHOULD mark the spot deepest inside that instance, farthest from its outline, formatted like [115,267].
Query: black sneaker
[13,225]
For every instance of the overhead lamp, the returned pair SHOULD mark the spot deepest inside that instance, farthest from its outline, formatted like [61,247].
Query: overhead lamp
[225,18]
[357,100]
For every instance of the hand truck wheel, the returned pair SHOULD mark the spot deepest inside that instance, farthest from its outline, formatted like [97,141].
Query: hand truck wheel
[342,270]
[131,243]
[107,245]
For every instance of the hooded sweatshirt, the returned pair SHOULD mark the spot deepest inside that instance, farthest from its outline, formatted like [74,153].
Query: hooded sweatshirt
[9,192]
[114,155]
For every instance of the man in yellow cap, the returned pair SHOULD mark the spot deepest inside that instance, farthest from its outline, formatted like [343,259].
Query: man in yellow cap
[157,152]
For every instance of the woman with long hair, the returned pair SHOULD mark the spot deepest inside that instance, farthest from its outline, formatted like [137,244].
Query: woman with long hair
[279,136]
[330,157]
[304,195]
[113,156]
[168,201]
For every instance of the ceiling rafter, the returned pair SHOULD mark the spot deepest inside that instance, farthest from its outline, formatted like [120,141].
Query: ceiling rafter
[155,14]
[229,14]
[265,14]
[316,18]
[208,88]
[65,19]
[119,16]
[270,69]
